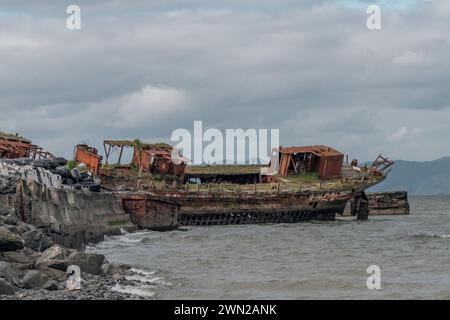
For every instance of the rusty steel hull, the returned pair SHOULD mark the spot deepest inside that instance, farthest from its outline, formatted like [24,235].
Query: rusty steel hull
[219,208]
[149,212]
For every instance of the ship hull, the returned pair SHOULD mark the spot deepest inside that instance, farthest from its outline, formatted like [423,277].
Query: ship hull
[149,212]
[219,208]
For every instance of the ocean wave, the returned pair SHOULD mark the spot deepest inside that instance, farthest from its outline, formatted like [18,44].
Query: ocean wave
[429,236]
[141,291]
[142,283]
[143,277]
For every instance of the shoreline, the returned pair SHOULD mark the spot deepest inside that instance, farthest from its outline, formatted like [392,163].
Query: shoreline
[33,267]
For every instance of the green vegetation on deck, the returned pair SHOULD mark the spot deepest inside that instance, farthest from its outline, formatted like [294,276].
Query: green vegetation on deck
[291,183]
[223,169]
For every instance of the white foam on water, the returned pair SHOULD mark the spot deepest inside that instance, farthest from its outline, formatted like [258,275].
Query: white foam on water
[142,291]
[128,240]
[147,278]
[156,281]
[446,236]
[143,272]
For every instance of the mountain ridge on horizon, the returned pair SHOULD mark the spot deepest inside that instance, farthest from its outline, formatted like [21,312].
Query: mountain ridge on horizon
[431,177]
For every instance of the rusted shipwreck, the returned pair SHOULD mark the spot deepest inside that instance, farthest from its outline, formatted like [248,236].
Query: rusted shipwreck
[67,201]
[158,189]
[299,183]
[391,203]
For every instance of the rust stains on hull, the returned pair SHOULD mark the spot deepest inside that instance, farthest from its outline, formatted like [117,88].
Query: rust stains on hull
[215,208]
[150,212]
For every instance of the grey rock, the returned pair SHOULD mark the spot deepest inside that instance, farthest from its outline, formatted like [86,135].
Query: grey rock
[29,252]
[75,174]
[12,228]
[50,285]
[55,252]
[19,257]
[56,264]
[11,219]
[54,274]
[10,241]
[37,240]
[8,273]
[6,288]
[34,279]
[3,210]
[88,262]
[54,257]
[62,285]
[24,227]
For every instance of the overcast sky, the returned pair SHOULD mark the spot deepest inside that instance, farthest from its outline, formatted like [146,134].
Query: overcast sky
[140,69]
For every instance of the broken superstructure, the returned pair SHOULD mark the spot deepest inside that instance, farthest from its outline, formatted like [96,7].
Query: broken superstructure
[67,198]
[157,188]
[299,183]
[12,146]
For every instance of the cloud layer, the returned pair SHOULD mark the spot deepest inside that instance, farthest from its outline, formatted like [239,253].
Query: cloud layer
[310,68]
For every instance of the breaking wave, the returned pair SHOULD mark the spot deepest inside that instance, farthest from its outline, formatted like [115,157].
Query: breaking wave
[138,291]
[142,283]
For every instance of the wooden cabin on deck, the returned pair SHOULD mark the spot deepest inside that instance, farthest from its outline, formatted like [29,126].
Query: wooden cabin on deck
[325,161]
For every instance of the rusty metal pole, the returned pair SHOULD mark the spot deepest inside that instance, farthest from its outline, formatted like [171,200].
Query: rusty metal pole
[120,154]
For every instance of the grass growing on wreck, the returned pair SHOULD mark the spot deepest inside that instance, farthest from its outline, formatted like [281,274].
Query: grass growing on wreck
[71,164]
[116,223]
[310,177]
[127,178]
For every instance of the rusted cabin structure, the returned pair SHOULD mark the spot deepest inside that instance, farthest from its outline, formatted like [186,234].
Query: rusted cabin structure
[158,160]
[152,157]
[325,161]
[88,156]
[13,147]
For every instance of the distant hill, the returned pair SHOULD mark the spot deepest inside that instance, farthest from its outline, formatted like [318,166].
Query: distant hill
[418,178]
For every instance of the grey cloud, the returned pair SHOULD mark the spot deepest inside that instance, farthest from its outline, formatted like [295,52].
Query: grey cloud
[310,68]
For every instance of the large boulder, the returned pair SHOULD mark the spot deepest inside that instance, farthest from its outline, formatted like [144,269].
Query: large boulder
[54,257]
[34,279]
[12,228]
[54,274]
[11,219]
[37,240]
[88,262]
[10,241]
[50,285]
[20,256]
[6,288]
[24,227]
[3,210]
[8,273]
